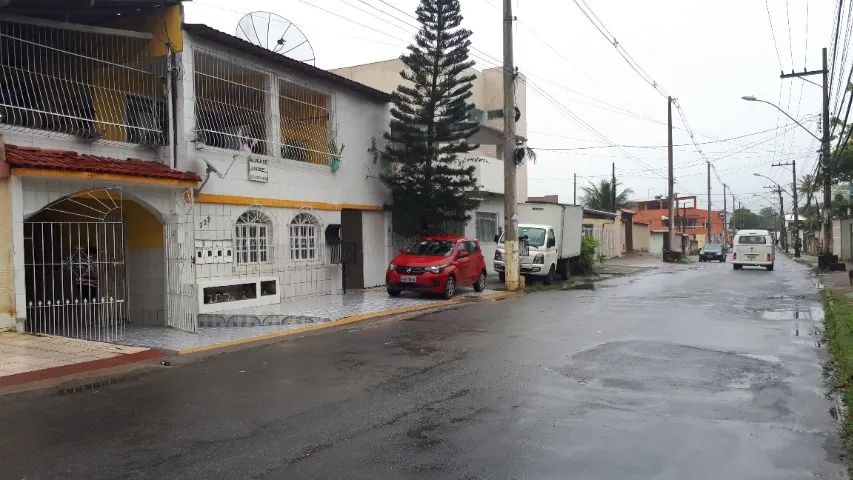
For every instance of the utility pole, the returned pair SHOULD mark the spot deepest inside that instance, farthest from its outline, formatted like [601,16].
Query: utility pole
[734,216]
[782,232]
[613,186]
[575,189]
[795,207]
[708,227]
[824,156]
[511,258]
[725,218]
[827,174]
[670,237]
[796,212]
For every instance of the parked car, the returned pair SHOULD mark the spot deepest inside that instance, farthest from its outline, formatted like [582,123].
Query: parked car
[437,264]
[712,251]
[753,247]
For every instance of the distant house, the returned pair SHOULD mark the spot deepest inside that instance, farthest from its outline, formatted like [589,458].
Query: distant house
[689,221]
[606,228]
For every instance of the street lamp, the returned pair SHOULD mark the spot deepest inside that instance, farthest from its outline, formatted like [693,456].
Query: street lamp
[824,160]
[751,98]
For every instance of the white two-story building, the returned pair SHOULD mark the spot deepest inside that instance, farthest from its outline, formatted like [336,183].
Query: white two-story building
[154,171]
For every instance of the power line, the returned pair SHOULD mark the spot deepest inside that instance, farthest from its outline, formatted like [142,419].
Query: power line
[722,140]
[773,34]
[568,61]
[602,29]
[556,103]
[790,44]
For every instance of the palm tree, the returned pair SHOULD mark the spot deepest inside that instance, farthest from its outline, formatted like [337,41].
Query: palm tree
[600,197]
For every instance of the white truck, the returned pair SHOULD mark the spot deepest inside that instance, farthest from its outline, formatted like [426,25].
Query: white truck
[552,232]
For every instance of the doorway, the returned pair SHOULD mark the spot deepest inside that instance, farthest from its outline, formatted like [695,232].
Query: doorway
[352,233]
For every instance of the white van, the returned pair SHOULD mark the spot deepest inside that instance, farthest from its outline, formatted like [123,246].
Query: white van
[753,247]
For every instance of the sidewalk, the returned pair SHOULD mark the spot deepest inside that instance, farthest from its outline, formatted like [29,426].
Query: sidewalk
[293,316]
[26,358]
[628,264]
[837,280]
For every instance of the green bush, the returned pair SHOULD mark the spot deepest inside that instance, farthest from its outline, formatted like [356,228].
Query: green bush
[588,247]
[839,335]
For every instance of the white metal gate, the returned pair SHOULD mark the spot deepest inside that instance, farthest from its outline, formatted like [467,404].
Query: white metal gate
[181,298]
[75,269]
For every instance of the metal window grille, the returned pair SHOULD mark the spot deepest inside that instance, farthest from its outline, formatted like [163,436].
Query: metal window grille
[487,226]
[303,237]
[230,104]
[233,111]
[252,235]
[81,81]
[305,119]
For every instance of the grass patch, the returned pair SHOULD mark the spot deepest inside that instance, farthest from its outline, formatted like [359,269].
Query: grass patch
[839,337]
[540,287]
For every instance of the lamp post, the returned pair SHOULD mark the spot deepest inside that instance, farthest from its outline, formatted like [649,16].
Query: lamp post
[827,197]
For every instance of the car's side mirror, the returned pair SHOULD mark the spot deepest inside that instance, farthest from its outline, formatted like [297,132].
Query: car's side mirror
[403,250]
[463,254]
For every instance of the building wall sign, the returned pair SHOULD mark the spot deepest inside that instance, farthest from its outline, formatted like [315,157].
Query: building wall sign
[258,170]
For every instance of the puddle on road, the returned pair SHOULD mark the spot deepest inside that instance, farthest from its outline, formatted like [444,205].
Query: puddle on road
[780,314]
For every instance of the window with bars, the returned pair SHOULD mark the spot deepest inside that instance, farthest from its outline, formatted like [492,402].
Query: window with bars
[86,82]
[252,238]
[487,226]
[306,117]
[230,104]
[304,235]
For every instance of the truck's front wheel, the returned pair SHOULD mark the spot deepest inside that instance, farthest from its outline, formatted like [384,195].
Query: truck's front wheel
[565,269]
[549,279]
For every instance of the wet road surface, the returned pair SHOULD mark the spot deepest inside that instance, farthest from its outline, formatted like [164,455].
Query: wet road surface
[683,372]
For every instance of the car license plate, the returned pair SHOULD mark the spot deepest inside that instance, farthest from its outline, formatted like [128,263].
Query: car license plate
[408,278]
[751,257]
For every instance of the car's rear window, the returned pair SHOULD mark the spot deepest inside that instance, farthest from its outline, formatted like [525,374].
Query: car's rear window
[713,248]
[752,240]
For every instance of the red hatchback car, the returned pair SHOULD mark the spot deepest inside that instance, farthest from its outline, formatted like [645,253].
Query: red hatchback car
[437,264]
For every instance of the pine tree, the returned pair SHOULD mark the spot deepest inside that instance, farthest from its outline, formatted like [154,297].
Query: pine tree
[431,185]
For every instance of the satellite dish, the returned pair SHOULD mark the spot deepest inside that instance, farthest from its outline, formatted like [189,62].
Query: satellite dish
[276,34]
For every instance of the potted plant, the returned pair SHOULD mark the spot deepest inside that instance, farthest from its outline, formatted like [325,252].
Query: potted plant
[335,151]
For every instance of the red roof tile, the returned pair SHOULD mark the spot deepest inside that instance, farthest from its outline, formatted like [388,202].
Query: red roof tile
[29,157]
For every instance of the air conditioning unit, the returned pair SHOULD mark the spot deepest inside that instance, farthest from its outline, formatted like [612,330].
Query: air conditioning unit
[477,116]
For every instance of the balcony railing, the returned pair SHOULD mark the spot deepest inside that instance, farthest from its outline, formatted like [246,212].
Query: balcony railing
[80,81]
[233,112]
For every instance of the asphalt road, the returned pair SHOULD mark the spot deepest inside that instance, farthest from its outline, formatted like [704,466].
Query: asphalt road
[684,372]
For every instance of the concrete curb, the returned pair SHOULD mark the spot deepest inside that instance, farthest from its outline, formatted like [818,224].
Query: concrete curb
[74,369]
[348,320]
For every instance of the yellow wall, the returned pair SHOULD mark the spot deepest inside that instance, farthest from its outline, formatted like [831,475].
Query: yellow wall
[7,262]
[305,118]
[165,26]
[143,229]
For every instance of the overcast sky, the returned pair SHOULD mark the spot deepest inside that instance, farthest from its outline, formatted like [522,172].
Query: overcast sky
[706,54]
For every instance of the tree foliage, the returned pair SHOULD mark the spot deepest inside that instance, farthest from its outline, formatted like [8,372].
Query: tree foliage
[430,184]
[600,196]
[744,218]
